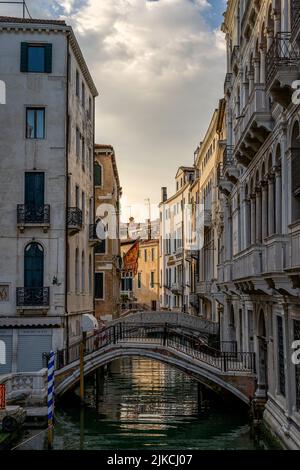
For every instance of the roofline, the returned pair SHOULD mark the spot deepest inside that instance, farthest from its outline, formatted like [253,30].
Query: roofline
[109,149]
[8,23]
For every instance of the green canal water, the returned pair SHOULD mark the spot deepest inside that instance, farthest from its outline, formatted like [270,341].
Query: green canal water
[144,404]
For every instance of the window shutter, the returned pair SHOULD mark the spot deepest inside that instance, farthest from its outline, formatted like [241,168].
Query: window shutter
[24,57]
[48,58]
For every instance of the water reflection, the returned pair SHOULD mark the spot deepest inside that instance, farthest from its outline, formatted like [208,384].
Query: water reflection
[145,404]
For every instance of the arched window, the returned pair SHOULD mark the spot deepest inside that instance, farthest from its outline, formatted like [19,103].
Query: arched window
[77,270]
[34,265]
[98,174]
[82,272]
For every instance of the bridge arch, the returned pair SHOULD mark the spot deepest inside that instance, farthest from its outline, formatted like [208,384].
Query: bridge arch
[243,389]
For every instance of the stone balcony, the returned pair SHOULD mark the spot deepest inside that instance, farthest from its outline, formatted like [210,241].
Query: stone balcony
[225,272]
[248,263]
[292,263]
[282,68]
[253,126]
[203,287]
[274,255]
[176,288]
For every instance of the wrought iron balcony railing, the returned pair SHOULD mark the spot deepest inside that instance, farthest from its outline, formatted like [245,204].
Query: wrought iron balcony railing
[33,296]
[74,217]
[31,214]
[282,54]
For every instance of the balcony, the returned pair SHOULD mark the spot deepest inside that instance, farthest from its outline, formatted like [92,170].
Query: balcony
[292,263]
[235,58]
[203,287]
[32,297]
[253,126]
[176,288]
[282,68]
[275,254]
[228,83]
[29,215]
[74,220]
[224,185]
[248,263]
[93,239]
[230,170]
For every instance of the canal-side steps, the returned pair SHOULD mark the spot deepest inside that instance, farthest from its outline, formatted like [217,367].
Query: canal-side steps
[225,372]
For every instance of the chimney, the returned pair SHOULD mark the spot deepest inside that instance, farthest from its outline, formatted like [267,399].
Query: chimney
[164,194]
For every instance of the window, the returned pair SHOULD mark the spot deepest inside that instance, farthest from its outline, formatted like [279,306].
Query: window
[83,205]
[98,174]
[76,270]
[145,256]
[90,107]
[152,279]
[34,266]
[35,123]
[82,272]
[83,153]
[83,95]
[90,274]
[152,254]
[36,58]
[139,280]
[99,286]
[77,83]
[126,282]
[280,348]
[77,143]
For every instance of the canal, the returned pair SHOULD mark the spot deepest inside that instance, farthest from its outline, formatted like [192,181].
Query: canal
[143,404]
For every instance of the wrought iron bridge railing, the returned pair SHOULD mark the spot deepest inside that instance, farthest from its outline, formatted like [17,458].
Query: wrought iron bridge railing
[282,53]
[74,217]
[32,214]
[33,296]
[162,335]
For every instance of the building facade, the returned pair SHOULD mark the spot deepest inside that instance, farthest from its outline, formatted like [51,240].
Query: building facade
[175,262]
[140,290]
[259,183]
[204,299]
[46,189]
[107,252]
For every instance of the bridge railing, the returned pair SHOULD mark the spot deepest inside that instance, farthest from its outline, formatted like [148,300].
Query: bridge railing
[161,335]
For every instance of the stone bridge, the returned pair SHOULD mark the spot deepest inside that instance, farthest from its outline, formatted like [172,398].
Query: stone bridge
[230,373]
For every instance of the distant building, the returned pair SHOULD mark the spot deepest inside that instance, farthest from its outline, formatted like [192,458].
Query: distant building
[143,230]
[175,266]
[107,252]
[141,289]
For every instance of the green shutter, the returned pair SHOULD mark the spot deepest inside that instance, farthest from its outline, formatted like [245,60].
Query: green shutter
[48,58]
[24,57]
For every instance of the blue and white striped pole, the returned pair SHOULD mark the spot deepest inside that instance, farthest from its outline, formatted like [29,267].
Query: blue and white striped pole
[50,401]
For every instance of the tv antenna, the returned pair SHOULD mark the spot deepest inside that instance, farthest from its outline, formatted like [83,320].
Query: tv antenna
[24,7]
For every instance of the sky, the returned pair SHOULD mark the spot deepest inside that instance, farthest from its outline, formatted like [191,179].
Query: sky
[159,67]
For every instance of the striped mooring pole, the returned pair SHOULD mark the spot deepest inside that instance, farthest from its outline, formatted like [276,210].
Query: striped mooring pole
[50,400]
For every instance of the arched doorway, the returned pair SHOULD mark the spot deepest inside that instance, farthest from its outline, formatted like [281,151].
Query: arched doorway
[262,356]
[34,266]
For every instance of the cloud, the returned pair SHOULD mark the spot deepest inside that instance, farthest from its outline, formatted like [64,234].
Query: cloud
[159,68]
